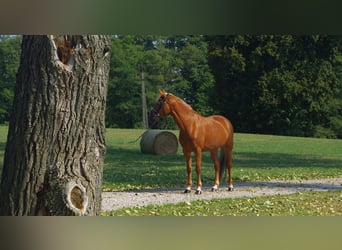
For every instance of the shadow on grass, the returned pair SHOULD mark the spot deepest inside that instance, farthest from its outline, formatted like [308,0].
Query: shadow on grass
[2,153]
[2,148]
[256,160]
[130,168]
[132,157]
[305,185]
[129,156]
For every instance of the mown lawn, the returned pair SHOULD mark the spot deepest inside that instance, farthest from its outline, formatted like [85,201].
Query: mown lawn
[256,157]
[299,204]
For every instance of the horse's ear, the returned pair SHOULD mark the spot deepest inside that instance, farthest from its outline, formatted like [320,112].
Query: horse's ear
[162,92]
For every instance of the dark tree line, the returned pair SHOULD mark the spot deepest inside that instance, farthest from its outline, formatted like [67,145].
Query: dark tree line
[275,84]
[289,85]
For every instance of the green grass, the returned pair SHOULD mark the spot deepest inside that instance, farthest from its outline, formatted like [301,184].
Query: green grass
[256,158]
[264,157]
[299,204]
[3,138]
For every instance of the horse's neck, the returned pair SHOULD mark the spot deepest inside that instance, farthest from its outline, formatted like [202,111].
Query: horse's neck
[182,114]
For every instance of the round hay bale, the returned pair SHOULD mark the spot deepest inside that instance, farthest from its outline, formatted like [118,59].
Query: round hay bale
[159,142]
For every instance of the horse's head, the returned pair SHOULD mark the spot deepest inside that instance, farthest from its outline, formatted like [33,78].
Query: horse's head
[160,109]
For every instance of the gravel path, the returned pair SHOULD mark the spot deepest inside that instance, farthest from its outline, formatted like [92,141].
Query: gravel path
[117,200]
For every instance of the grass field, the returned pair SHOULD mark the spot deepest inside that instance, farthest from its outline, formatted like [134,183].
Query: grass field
[299,204]
[256,157]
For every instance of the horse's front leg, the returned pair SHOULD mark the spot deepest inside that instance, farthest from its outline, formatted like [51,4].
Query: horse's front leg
[198,171]
[188,169]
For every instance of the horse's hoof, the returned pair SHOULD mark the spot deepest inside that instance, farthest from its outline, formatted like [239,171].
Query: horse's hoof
[214,189]
[198,192]
[230,189]
[187,191]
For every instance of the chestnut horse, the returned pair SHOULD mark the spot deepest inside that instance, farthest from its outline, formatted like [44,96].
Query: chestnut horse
[198,134]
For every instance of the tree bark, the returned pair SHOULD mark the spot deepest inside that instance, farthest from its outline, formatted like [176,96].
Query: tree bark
[56,142]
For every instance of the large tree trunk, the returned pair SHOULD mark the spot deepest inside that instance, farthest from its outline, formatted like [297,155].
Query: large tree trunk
[56,142]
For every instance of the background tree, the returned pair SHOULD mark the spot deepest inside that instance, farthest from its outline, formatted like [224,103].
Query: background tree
[273,84]
[276,84]
[178,64]
[199,81]
[9,63]
[124,89]
[56,140]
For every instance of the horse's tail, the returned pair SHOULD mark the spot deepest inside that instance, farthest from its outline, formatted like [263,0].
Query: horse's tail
[223,164]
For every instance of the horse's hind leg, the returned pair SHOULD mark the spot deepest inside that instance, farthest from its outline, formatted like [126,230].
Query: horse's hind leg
[217,170]
[188,169]
[229,155]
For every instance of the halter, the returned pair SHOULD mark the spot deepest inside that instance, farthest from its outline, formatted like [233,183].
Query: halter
[154,113]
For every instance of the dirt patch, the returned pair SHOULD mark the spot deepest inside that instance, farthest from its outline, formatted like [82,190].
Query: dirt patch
[117,200]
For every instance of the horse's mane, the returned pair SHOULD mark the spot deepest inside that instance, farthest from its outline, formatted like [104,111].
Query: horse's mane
[179,100]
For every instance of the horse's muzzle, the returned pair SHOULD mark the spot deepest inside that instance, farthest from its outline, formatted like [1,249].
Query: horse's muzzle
[153,118]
